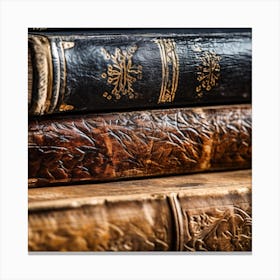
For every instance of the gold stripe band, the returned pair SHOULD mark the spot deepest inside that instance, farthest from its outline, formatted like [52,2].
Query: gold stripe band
[170,69]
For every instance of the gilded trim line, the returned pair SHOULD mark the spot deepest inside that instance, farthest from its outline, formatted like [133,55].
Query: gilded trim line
[64,46]
[170,69]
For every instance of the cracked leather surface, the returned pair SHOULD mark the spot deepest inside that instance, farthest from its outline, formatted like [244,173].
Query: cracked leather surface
[138,144]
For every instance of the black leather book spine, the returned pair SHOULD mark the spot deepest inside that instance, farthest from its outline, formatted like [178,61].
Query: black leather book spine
[87,71]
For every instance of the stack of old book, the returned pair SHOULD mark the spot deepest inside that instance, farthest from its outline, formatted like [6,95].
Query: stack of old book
[139,140]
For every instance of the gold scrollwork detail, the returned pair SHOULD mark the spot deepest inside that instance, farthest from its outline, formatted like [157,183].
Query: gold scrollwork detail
[121,73]
[170,69]
[208,72]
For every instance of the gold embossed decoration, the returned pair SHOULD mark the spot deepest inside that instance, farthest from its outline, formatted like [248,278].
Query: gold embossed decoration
[208,72]
[121,73]
[170,69]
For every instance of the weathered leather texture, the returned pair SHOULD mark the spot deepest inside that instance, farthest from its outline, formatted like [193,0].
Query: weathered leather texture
[201,212]
[74,73]
[113,146]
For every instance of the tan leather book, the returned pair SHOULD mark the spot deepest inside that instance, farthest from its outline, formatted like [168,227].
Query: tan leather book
[200,212]
[111,146]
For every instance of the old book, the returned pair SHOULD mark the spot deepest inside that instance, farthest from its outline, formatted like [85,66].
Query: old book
[105,70]
[118,145]
[200,212]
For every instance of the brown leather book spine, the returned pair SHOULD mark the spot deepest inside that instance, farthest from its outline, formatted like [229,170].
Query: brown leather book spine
[134,144]
[200,212]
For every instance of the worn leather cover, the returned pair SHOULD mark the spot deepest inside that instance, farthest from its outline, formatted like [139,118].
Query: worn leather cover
[110,146]
[201,212]
[74,71]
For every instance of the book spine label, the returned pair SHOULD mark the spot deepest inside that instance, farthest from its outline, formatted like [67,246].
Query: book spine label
[216,218]
[111,146]
[110,72]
